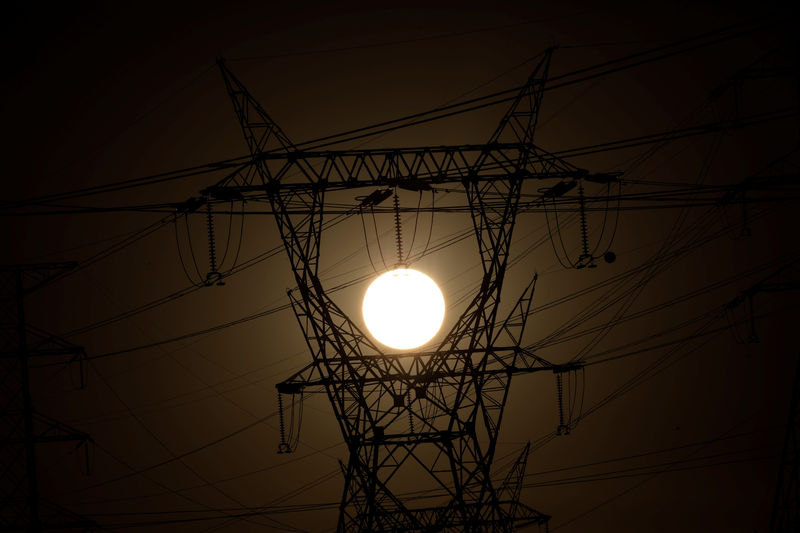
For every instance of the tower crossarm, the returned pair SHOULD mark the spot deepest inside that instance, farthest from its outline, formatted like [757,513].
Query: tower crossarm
[414,168]
[502,360]
[506,516]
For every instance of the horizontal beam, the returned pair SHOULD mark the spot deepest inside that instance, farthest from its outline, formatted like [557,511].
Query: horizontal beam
[510,512]
[413,168]
[313,375]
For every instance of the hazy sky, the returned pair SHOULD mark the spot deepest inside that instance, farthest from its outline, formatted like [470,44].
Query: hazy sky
[683,436]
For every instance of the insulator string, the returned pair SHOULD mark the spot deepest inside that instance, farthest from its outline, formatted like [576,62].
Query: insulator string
[560,394]
[283,447]
[410,415]
[584,230]
[212,252]
[398,228]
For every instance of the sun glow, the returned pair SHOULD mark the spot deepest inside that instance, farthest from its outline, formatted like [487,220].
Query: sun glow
[403,308]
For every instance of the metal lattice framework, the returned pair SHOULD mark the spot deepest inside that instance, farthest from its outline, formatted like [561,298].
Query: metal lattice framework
[786,504]
[22,428]
[434,414]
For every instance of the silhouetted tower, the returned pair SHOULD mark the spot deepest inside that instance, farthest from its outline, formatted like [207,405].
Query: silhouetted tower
[786,507]
[22,428]
[432,417]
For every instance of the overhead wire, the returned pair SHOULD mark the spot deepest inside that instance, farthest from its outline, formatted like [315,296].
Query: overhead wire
[639,484]
[271,252]
[449,35]
[244,160]
[633,296]
[668,466]
[651,153]
[193,451]
[241,320]
[178,458]
[598,476]
[224,325]
[621,144]
[189,278]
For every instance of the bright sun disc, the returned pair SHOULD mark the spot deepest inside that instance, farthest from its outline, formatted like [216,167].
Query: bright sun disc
[403,308]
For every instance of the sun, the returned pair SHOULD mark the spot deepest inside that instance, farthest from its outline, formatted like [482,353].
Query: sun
[403,308]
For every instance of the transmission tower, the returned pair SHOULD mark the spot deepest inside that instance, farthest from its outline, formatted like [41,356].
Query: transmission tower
[433,414]
[786,506]
[23,428]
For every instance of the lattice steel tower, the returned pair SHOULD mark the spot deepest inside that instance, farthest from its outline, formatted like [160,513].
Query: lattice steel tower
[434,414]
[22,427]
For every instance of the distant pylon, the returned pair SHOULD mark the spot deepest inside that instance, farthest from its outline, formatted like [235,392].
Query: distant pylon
[22,428]
[786,507]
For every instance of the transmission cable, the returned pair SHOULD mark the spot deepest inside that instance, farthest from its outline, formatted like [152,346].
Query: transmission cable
[238,161]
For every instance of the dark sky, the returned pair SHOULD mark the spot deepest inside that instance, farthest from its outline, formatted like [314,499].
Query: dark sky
[686,436]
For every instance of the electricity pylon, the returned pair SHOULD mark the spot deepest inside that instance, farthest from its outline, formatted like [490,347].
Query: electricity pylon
[22,428]
[431,414]
[786,505]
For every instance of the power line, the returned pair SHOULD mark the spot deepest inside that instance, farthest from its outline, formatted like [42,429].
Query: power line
[241,161]
[401,41]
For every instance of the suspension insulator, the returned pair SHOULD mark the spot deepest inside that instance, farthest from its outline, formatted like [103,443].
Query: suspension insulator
[283,447]
[410,416]
[563,429]
[398,228]
[213,275]
[585,259]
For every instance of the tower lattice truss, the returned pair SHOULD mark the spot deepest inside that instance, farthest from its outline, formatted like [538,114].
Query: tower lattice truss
[433,417]
[23,428]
